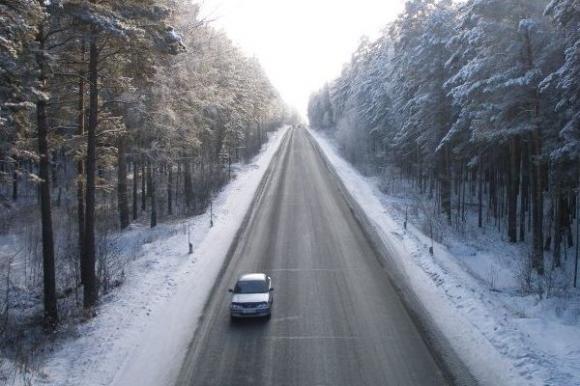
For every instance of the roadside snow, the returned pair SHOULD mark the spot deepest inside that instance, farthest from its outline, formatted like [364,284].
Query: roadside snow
[141,333]
[470,290]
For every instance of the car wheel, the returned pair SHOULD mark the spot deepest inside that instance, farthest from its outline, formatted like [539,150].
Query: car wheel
[269,316]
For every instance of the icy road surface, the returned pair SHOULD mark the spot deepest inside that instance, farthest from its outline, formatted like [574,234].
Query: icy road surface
[337,320]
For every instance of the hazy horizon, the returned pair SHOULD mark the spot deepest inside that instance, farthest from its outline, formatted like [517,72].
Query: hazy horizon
[302,44]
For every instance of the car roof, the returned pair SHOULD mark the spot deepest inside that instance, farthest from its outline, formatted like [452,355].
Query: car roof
[253,277]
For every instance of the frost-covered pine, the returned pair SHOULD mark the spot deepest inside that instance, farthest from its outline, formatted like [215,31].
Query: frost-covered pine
[566,79]
[425,111]
[130,103]
[481,93]
[18,21]
[502,53]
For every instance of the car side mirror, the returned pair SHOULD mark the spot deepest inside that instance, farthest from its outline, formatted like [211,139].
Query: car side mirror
[271,289]
[230,290]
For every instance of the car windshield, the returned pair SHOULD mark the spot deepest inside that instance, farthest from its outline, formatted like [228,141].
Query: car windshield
[251,287]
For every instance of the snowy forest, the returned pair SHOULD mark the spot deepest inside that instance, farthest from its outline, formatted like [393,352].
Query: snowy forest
[475,106]
[112,113]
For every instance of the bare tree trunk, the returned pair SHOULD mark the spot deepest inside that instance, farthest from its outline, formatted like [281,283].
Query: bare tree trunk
[90,292]
[445,184]
[177,185]
[15,183]
[135,175]
[537,207]
[559,223]
[81,162]
[229,165]
[170,189]
[187,184]
[49,271]
[122,194]
[143,185]
[524,197]
[538,168]
[151,186]
[577,241]
[513,189]
[480,198]
[568,219]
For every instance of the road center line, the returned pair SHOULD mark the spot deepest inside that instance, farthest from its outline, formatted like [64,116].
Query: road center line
[312,337]
[312,269]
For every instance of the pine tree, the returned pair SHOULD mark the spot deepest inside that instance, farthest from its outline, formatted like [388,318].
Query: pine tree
[48,257]
[420,72]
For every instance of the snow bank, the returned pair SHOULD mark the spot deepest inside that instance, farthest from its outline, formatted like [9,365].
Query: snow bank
[502,337]
[141,334]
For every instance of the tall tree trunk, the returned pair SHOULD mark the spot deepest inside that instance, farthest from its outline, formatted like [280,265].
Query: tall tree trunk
[458,179]
[445,183]
[170,189]
[577,213]
[143,185]
[537,207]
[524,197]
[480,198]
[538,166]
[135,175]
[122,188]
[537,191]
[513,189]
[151,189]
[88,262]
[557,256]
[15,182]
[568,219]
[48,264]
[81,161]
[54,168]
[187,184]
[559,222]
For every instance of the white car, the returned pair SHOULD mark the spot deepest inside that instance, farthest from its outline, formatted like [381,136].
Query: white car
[252,296]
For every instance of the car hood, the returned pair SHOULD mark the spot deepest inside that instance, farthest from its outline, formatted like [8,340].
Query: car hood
[250,298]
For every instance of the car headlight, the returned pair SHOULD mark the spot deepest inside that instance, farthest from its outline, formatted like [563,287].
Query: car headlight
[262,306]
[236,307]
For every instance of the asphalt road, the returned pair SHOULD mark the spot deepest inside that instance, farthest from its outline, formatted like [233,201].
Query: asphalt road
[337,319]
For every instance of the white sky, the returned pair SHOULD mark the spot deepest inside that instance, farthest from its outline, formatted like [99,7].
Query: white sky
[301,43]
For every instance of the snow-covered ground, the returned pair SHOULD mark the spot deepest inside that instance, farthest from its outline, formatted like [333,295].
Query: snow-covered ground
[470,286]
[142,330]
